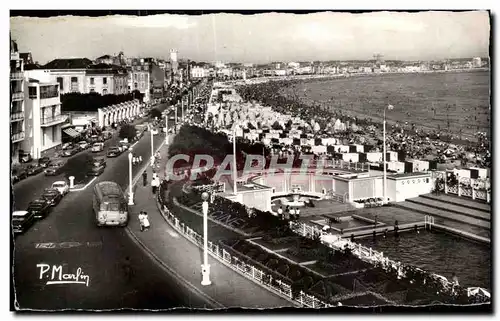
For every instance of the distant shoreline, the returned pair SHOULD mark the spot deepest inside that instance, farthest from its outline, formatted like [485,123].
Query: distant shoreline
[348,75]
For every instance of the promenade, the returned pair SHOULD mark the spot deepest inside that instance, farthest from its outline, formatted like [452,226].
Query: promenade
[183,259]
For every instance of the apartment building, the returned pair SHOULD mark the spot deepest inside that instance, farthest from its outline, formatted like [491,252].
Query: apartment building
[42,113]
[17,126]
[139,77]
[106,79]
[70,74]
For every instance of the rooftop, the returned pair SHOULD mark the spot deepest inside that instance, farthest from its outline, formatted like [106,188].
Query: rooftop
[72,63]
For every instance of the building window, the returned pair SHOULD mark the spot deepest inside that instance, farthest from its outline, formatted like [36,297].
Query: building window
[60,81]
[54,134]
[104,81]
[32,92]
[92,80]
[74,83]
[92,90]
[135,86]
[49,92]
[135,77]
[43,137]
[104,91]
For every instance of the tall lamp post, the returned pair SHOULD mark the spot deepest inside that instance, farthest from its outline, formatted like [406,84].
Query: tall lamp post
[131,190]
[389,107]
[235,173]
[166,127]
[152,150]
[205,267]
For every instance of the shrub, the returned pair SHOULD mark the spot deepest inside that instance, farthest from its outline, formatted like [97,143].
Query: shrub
[127,131]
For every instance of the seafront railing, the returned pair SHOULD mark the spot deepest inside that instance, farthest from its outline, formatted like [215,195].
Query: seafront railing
[236,263]
[364,253]
[465,187]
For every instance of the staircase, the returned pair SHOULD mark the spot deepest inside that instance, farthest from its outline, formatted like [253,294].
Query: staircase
[460,201]
[448,210]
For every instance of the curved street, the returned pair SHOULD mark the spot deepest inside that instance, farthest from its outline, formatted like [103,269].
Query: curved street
[69,238]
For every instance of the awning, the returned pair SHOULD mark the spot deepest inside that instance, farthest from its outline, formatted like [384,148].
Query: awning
[71,132]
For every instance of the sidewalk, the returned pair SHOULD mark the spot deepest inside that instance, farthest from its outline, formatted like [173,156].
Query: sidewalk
[228,288]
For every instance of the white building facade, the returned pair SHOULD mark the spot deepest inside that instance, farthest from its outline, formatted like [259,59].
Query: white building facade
[43,116]
[17,121]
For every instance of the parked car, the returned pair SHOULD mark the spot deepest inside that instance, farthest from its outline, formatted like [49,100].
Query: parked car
[44,161]
[97,147]
[124,146]
[40,208]
[25,158]
[34,169]
[18,175]
[70,152]
[66,146]
[61,186]
[83,145]
[21,221]
[96,170]
[98,161]
[54,169]
[52,196]
[114,151]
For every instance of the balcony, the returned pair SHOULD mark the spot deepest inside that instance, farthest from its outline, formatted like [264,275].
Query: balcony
[51,121]
[16,76]
[17,137]
[16,116]
[17,96]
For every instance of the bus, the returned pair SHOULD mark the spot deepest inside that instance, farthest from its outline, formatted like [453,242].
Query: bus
[110,205]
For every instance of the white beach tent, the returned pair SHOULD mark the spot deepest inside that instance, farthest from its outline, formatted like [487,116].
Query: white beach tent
[477,290]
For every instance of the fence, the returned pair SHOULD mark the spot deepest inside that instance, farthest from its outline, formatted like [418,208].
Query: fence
[237,264]
[364,253]
[465,187]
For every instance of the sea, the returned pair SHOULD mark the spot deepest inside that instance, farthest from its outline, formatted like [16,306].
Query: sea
[456,103]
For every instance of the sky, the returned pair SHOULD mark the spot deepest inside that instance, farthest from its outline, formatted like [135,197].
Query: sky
[259,38]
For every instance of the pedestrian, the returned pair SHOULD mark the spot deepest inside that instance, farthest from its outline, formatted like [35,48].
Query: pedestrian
[280,213]
[145,178]
[154,185]
[144,220]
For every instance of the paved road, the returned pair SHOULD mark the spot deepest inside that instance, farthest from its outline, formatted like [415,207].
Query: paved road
[99,252]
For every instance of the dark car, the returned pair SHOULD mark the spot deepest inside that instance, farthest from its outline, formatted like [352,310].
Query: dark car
[52,196]
[113,152]
[40,208]
[21,221]
[70,152]
[96,170]
[54,169]
[25,158]
[98,161]
[19,175]
[34,169]
[44,161]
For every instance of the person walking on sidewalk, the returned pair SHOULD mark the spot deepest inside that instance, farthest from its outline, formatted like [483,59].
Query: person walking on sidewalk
[144,220]
[155,183]
[145,178]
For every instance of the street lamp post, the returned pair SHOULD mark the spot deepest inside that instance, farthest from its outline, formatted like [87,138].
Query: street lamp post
[131,190]
[176,107]
[152,150]
[385,155]
[205,267]
[166,128]
[235,173]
